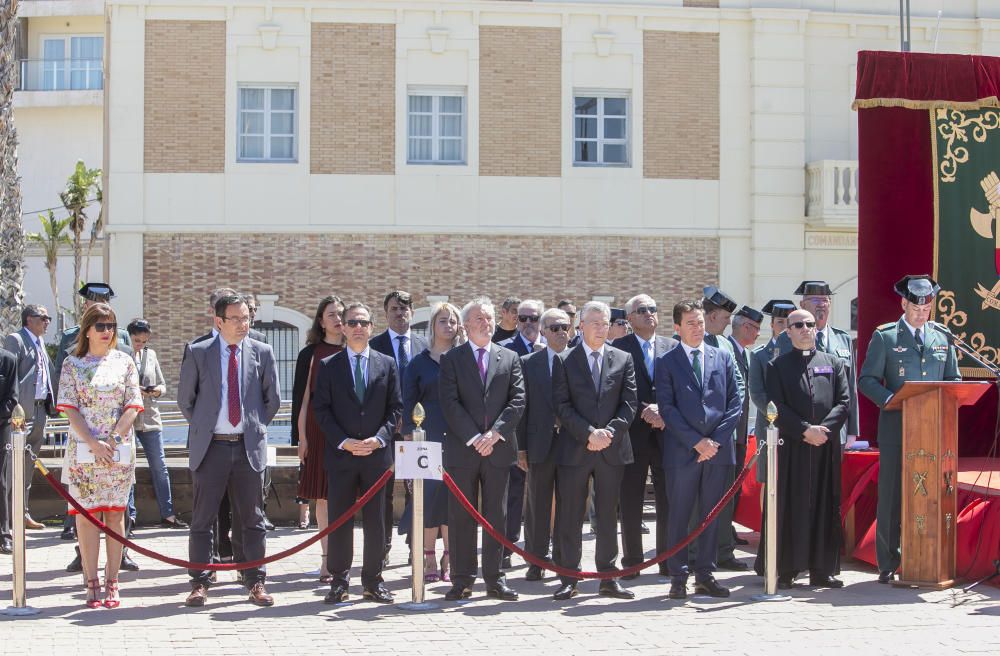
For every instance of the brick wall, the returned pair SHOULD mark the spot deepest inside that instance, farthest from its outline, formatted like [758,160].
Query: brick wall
[520,80]
[353,116]
[180,270]
[681,105]
[185,97]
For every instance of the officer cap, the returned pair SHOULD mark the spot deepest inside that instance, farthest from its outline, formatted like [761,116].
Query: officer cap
[919,289]
[781,310]
[750,313]
[718,297]
[813,288]
[97,291]
[617,313]
[769,306]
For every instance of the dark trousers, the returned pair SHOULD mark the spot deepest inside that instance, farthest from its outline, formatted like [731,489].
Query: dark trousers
[541,487]
[485,486]
[888,512]
[5,480]
[343,487]
[515,505]
[34,439]
[573,501]
[227,469]
[726,536]
[695,485]
[633,495]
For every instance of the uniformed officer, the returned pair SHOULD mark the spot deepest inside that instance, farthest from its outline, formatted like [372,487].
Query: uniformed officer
[908,349]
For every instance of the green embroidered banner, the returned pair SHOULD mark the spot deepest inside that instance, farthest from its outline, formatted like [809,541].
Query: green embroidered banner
[966,228]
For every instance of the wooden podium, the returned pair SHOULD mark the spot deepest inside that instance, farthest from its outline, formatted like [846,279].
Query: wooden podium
[929,509]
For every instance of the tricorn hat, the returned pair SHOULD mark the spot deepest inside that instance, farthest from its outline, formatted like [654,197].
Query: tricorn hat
[618,313]
[97,291]
[813,288]
[718,297]
[769,306]
[781,310]
[750,313]
[920,289]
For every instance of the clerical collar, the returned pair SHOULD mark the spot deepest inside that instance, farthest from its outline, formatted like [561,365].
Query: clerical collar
[806,352]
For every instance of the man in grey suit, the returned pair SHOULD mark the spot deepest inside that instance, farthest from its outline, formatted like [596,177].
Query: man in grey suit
[481,389]
[35,386]
[228,392]
[596,399]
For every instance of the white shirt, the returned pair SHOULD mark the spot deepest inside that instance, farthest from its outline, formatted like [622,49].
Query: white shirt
[222,425]
[394,340]
[688,350]
[923,330]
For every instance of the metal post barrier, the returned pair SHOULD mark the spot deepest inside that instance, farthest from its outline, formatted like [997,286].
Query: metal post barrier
[771,520]
[417,528]
[20,608]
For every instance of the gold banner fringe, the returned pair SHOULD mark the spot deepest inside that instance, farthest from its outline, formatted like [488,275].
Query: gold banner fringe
[869,103]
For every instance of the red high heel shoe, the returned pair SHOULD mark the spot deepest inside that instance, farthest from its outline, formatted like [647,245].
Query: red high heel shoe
[93,588]
[111,599]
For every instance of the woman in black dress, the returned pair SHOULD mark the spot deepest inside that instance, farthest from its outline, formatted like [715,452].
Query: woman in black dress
[420,385]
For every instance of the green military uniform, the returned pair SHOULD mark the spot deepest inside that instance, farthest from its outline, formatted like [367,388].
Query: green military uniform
[894,358]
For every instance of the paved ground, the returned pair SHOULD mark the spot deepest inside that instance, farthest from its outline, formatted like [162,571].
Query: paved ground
[864,617]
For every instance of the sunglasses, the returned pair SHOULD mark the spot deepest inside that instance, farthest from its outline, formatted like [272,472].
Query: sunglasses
[802,324]
[103,327]
[524,318]
[354,323]
[43,317]
[559,328]
[620,322]
[646,309]
[571,314]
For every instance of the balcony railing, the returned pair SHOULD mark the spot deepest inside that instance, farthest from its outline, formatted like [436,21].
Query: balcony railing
[832,193]
[60,75]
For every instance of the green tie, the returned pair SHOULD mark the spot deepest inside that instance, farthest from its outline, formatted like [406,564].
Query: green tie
[359,379]
[696,365]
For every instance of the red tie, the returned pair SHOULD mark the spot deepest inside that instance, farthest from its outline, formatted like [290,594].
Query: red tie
[233,384]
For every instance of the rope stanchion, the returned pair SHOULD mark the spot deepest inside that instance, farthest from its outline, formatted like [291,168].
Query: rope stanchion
[610,574]
[216,567]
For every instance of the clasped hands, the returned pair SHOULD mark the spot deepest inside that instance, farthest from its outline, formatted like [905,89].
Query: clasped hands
[651,415]
[599,440]
[103,450]
[484,443]
[816,435]
[362,447]
[706,448]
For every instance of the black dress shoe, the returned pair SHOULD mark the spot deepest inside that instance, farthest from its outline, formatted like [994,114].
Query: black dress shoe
[336,595]
[534,573]
[886,576]
[734,565]
[378,593]
[740,541]
[614,589]
[68,533]
[664,573]
[128,564]
[75,565]
[505,563]
[268,526]
[6,546]
[643,528]
[458,591]
[825,581]
[786,582]
[678,591]
[567,591]
[711,588]
[176,522]
[501,590]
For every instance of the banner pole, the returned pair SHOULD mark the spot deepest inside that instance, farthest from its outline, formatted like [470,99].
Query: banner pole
[20,608]
[417,527]
[771,547]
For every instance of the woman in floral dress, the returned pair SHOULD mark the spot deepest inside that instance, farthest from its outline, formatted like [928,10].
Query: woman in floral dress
[99,393]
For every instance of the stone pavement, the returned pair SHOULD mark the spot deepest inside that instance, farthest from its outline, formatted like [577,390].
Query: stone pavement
[864,617]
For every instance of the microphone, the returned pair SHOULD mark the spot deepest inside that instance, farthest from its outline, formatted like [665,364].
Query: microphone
[943,329]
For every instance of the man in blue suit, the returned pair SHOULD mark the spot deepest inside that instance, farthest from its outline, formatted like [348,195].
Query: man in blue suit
[699,401]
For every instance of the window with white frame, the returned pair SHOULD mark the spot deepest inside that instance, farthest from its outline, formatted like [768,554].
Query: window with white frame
[267,124]
[72,62]
[600,130]
[436,127]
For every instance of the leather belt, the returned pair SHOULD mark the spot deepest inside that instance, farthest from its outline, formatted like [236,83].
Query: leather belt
[227,437]
[41,401]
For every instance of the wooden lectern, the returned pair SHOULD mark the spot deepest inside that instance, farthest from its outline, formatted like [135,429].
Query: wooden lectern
[929,509]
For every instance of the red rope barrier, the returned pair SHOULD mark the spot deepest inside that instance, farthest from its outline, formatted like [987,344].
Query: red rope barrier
[349,514]
[610,574]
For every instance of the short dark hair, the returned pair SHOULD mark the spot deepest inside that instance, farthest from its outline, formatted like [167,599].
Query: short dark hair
[708,306]
[250,299]
[28,312]
[684,307]
[357,305]
[223,303]
[214,297]
[509,302]
[402,297]
[564,302]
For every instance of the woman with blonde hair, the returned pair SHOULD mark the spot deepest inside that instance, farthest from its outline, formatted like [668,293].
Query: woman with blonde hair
[420,385]
[99,393]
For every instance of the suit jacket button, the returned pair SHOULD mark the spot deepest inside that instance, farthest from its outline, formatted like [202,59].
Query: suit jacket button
[362,413]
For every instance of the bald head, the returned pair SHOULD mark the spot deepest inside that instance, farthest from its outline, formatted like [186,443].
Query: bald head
[802,329]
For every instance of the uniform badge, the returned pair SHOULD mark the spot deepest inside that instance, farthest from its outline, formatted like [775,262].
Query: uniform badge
[844,353]
[900,349]
[941,348]
[902,372]
[823,370]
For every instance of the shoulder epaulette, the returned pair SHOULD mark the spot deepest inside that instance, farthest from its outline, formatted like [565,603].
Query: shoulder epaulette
[886,326]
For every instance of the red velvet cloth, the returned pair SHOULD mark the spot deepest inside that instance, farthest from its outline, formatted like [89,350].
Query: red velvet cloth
[923,76]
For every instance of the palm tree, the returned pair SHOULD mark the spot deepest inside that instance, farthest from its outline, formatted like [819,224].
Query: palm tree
[52,236]
[11,228]
[81,190]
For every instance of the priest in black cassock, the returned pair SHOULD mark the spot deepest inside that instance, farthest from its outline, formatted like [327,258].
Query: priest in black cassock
[810,391]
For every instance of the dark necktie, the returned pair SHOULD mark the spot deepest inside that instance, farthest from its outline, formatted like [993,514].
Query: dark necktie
[403,358]
[919,340]
[359,379]
[233,386]
[820,342]
[696,365]
[595,371]
[482,364]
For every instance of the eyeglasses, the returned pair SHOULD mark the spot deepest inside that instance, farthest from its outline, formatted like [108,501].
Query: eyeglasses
[525,318]
[646,309]
[43,317]
[559,328]
[354,323]
[620,322]
[238,320]
[103,327]
[802,324]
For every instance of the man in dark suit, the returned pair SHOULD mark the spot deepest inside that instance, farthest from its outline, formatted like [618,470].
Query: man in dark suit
[646,433]
[228,392]
[569,308]
[8,401]
[746,328]
[481,389]
[526,340]
[400,344]
[700,404]
[537,437]
[596,399]
[358,405]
